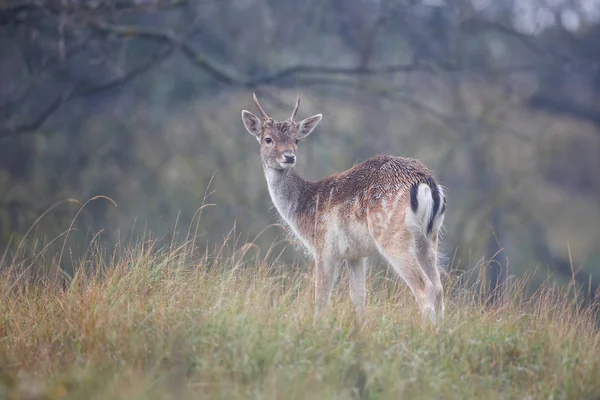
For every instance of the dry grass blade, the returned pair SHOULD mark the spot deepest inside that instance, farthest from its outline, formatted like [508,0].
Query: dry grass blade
[163,322]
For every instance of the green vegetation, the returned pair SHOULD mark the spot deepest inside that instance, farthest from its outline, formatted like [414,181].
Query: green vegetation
[160,322]
[140,100]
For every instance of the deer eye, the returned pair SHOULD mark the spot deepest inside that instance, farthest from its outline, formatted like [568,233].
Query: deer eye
[268,140]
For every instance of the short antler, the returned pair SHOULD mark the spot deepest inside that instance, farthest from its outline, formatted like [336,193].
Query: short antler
[264,114]
[296,107]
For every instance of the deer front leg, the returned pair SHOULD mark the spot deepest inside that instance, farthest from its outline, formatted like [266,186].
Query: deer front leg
[324,279]
[357,272]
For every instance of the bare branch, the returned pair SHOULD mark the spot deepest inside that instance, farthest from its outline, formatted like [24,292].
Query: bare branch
[293,71]
[527,40]
[73,93]
[564,106]
[120,80]
[36,123]
[204,62]
[18,5]
[126,5]
[198,59]
[307,74]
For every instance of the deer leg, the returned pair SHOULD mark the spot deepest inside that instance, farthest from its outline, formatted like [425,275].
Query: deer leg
[407,266]
[357,274]
[419,283]
[427,255]
[324,279]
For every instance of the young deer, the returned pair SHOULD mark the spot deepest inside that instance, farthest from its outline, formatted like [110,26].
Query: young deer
[387,205]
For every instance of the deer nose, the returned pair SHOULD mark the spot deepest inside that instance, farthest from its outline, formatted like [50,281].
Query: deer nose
[289,158]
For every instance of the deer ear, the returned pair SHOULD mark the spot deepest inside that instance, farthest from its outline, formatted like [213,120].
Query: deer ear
[252,123]
[307,125]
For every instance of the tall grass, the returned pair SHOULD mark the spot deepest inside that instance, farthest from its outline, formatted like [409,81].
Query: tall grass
[164,322]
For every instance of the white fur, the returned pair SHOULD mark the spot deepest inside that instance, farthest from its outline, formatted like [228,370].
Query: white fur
[418,221]
[285,209]
[439,218]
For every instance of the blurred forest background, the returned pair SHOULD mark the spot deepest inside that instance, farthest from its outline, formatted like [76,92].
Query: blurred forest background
[140,101]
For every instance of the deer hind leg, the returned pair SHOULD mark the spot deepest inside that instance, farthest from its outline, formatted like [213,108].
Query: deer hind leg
[325,274]
[357,275]
[399,249]
[427,255]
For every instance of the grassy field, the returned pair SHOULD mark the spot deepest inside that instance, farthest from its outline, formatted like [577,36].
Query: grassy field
[150,323]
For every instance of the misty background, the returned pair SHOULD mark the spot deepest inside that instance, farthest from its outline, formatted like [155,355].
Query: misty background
[140,101]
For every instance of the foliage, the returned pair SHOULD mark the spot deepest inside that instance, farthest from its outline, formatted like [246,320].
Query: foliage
[140,101]
[166,321]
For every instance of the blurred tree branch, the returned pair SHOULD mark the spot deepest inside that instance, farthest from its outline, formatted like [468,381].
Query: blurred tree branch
[73,93]
[302,73]
[132,5]
[202,61]
[566,107]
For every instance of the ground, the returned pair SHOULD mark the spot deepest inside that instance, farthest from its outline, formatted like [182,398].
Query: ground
[163,323]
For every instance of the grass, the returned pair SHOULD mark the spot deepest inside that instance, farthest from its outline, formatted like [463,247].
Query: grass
[161,323]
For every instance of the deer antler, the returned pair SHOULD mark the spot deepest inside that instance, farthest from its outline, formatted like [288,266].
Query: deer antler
[264,114]
[296,107]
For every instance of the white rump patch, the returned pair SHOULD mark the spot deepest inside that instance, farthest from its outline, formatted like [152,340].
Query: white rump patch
[439,218]
[418,221]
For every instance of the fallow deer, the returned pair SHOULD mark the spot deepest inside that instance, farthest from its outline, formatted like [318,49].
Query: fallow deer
[385,205]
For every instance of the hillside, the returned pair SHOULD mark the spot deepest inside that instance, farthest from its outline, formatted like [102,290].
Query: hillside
[150,322]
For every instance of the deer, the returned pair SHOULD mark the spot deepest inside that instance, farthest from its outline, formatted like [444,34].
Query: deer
[386,205]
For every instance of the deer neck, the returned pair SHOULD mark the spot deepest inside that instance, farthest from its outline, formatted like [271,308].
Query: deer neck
[285,187]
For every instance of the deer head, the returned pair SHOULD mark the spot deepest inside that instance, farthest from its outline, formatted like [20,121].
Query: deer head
[278,139]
